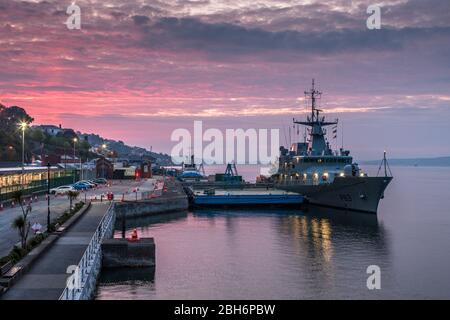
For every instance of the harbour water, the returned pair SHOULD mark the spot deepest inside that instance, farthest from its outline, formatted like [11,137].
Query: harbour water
[292,254]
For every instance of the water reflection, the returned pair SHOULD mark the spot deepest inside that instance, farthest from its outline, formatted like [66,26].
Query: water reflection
[261,253]
[113,281]
[145,221]
[316,253]
[121,275]
[330,245]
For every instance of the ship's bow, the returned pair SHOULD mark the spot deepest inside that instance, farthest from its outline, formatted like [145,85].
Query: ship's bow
[349,193]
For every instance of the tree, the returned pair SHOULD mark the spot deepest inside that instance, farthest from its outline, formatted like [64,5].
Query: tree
[72,196]
[37,135]
[21,223]
[11,117]
[9,129]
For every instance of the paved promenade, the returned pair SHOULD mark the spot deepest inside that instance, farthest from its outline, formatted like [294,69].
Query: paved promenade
[58,204]
[46,279]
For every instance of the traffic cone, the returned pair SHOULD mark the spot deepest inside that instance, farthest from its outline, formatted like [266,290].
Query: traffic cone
[134,235]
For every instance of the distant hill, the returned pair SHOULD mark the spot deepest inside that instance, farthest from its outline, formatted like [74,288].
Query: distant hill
[123,150]
[421,162]
[43,140]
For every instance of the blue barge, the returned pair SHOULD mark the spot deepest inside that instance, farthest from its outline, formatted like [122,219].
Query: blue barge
[246,197]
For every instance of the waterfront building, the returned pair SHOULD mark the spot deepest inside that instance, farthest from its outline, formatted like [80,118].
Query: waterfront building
[34,179]
[104,168]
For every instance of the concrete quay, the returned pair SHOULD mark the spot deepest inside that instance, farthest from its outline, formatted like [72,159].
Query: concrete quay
[46,279]
[80,247]
[120,253]
[168,196]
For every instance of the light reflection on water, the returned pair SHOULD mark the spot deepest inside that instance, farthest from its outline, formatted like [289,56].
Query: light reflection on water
[290,254]
[265,254]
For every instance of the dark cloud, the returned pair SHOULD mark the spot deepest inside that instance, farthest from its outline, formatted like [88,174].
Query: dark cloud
[140,20]
[418,13]
[190,33]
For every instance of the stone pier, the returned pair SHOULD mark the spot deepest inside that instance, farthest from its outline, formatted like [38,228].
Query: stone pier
[118,253]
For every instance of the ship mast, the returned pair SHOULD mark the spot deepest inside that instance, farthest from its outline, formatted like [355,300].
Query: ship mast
[317,143]
[313,94]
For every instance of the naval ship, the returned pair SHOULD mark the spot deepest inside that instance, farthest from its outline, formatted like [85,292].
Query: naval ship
[324,176]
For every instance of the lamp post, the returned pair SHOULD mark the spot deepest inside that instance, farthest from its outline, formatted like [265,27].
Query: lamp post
[48,196]
[74,171]
[23,126]
[104,161]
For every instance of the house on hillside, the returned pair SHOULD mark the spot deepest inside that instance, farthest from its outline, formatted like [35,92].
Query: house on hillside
[50,129]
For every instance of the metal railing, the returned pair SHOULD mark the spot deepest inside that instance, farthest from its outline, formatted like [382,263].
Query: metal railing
[77,283]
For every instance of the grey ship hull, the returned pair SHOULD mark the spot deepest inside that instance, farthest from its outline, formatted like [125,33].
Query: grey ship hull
[349,193]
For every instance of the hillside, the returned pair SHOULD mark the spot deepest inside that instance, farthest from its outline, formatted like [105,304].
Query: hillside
[123,150]
[39,141]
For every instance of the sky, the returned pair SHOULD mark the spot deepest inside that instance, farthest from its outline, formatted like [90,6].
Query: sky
[137,70]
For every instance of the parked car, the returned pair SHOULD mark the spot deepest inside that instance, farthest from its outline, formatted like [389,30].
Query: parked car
[92,182]
[89,182]
[81,186]
[62,189]
[101,181]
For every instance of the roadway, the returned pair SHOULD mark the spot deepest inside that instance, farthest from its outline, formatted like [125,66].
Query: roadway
[58,204]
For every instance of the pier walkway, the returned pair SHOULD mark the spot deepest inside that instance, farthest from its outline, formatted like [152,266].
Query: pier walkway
[47,278]
[128,189]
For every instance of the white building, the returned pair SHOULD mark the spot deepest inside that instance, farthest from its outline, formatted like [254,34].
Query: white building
[51,129]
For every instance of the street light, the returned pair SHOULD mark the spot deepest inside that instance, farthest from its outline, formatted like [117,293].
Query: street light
[48,196]
[23,125]
[74,172]
[104,161]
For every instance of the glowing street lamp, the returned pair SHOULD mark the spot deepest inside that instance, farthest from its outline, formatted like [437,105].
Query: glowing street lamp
[23,126]
[103,166]
[75,140]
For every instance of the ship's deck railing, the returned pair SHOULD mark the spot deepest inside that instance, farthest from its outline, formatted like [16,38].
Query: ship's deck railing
[78,281]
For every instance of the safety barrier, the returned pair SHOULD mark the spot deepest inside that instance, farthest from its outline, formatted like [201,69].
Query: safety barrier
[81,283]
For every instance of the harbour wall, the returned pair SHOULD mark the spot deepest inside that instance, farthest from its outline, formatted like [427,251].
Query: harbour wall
[175,199]
[118,253]
[134,209]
